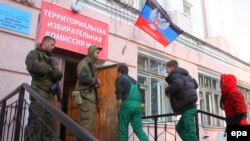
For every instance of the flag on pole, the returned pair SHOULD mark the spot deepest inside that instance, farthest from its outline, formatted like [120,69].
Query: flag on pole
[155,21]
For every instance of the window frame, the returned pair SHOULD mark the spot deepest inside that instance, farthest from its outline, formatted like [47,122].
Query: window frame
[208,121]
[187,5]
[163,102]
[140,4]
[246,93]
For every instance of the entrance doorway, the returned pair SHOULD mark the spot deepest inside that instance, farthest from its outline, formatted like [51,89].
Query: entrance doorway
[70,77]
[106,120]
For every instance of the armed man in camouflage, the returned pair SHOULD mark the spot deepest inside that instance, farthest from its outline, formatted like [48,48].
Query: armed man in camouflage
[87,83]
[45,76]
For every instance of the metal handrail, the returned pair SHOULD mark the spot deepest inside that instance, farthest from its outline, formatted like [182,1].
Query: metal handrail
[76,129]
[210,114]
[155,117]
[206,113]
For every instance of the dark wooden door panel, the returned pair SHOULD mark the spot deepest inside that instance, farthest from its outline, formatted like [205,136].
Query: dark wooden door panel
[106,120]
[107,129]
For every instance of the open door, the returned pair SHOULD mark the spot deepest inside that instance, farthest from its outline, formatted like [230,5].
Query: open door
[71,110]
[106,120]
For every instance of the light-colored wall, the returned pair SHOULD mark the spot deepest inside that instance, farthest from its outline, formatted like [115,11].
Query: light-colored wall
[13,52]
[174,5]
[14,48]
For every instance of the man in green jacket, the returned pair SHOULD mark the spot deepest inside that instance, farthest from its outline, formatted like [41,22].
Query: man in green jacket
[87,83]
[44,74]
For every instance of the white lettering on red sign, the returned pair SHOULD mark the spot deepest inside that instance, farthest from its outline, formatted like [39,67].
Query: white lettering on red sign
[73,32]
[75,22]
[65,38]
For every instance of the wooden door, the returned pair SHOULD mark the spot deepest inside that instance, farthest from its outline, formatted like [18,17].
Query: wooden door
[106,120]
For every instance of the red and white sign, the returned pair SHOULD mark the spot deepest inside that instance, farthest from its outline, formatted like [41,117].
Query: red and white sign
[72,31]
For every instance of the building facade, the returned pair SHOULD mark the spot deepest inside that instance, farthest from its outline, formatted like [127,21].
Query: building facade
[203,50]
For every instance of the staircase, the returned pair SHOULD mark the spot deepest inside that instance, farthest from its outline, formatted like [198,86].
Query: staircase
[14,110]
[13,116]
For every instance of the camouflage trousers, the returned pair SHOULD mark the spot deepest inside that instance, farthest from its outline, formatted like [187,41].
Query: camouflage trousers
[41,123]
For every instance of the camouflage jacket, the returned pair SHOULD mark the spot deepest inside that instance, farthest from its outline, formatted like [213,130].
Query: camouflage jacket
[38,65]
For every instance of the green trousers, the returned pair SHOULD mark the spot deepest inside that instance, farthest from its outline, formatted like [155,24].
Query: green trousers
[130,112]
[186,125]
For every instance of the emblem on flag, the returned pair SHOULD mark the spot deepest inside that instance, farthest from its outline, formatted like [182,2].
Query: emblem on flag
[155,21]
[159,22]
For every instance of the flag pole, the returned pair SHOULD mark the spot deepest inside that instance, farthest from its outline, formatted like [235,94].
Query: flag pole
[128,39]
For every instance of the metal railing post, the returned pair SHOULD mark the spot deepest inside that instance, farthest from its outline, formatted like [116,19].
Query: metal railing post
[155,126]
[19,114]
[197,125]
[3,106]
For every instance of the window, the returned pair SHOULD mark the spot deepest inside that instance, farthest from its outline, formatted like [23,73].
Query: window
[151,65]
[209,93]
[155,65]
[246,93]
[187,9]
[140,4]
[142,80]
[143,63]
[152,85]
[155,96]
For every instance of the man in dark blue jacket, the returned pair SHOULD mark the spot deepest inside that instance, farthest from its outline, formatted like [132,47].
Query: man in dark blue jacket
[182,93]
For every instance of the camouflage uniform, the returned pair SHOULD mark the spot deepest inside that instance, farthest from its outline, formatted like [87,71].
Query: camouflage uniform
[86,73]
[43,76]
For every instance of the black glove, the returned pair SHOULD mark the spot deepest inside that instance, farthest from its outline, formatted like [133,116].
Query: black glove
[56,75]
[235,119]
[52,61]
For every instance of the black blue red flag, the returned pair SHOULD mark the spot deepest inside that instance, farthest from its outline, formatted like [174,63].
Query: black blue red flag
[155,21]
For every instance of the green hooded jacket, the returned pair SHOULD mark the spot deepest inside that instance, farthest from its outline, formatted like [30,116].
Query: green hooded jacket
[86,75]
